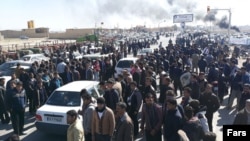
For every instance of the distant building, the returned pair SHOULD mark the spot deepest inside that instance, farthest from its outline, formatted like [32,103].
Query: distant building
[1,37]
[44,32]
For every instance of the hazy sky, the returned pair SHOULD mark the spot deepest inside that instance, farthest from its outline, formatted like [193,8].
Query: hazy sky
[62,14]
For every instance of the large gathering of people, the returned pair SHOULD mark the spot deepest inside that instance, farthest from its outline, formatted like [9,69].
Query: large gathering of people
[198,70]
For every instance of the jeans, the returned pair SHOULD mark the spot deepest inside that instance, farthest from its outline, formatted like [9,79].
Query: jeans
[96,76]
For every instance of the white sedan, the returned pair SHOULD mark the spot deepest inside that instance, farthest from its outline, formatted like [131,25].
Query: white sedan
[35,57]
[52,118]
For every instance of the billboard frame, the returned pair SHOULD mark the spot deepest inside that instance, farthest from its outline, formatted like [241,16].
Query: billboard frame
[183,18]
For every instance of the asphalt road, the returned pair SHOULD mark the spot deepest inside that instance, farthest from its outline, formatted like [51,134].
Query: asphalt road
[221,117]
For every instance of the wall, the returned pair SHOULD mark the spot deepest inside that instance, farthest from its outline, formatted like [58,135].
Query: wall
[31,33]
[27,32]
[1,37]
[71,33]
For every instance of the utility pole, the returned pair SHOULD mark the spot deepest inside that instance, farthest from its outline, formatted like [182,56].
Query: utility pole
[160,23]
[229,26]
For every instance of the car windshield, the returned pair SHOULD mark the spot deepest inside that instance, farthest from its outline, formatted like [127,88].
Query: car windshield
[93,92]
[145,51]
[100,91]
[5,66]
[25,58]
[63,98]
[124,64]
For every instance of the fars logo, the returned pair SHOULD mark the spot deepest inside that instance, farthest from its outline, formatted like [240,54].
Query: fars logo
[236,131]
[231,132]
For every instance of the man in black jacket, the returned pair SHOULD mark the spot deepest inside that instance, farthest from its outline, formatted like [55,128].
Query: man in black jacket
[4,115]
[236,89]
[134,101]
[211,101]
[194,85]
[111,95]
[17,102]
[149,88]
[167,85]
[243,115]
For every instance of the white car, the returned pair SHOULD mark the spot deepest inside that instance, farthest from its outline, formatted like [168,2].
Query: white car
[51,117]
[124,63]
[144,51]
[6,69]
[7,78]
[35,57]
[96,56]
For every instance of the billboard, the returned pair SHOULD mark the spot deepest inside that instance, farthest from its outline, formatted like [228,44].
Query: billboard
[240,41]
[183,18]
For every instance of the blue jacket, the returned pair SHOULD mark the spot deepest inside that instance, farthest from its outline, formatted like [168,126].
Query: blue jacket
[246,78]
[17,100]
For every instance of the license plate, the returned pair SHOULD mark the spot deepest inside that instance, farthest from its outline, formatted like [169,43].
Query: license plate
[54,119]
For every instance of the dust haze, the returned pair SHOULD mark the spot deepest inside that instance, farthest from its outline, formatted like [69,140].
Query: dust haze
[128,12]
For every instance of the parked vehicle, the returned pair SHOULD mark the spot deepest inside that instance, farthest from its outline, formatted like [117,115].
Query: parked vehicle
[34,57]
[52,118]
[124,63]
[7,78]
[23,37]
[7,68]
[145,51]
[96,56]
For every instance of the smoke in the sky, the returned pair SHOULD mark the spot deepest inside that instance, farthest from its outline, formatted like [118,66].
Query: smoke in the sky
[210,17]
[223,23]
[170,2]
[129,12]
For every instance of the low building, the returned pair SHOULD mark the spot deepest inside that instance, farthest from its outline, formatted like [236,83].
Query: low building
[1,37]
[44,32]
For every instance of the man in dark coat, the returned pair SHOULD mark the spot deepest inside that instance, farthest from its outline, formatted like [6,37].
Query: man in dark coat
[67,75]
[176,77]
[55,83]
[149,89]
[134,101]
[194,85]
[151,119]
[242,116]
[172,121]
[17,102]
[202,64]
[89,72]
[244,96]
[167,85]
[124,125]
[136,75]
[192,125]
[4,115]
[211,101]
[111,95]
[40,95]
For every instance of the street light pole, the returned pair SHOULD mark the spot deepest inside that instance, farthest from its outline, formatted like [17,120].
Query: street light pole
[229,26]
[160,23]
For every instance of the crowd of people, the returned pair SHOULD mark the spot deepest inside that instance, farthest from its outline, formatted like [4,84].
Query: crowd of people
[194,68]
